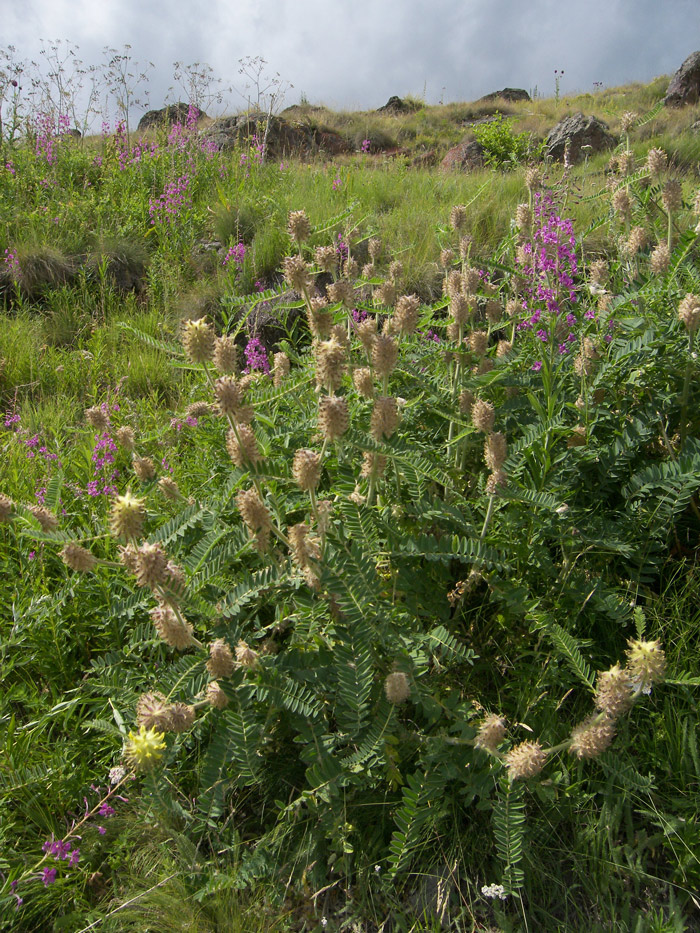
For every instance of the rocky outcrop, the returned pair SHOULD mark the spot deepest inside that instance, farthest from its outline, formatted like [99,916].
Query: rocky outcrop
[685,84]
[465,157]
[167,116]
[508,93]
[575,132]
[283,138]
[397,105]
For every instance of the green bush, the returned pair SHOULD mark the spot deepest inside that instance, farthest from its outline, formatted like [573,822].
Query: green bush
[502,147]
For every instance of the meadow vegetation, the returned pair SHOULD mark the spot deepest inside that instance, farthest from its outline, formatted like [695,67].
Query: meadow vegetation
[348,528]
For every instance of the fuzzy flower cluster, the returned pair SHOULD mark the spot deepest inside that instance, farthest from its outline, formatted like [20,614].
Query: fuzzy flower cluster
[235,254]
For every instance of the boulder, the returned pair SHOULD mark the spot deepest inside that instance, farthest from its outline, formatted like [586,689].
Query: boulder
[508,93]
[425,159]
[578,131]
[685,84]
[465,157]
[397,105]
[167,116]
[283,138]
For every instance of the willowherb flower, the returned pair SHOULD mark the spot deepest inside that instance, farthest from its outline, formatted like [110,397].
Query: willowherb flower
[242,446]
[45,517]
[385,352]
[385,417]
[447,257]
[525,760]
[479,342]
[660,259]
[397,687]
[245,655]
[458,217]
[6,509]
[144,749]
[495,451]
[152,712]
[298,226]
[491,732]
[171,627]
[306,469]
[97,417]
[326,258]
[225,355]
[144,468]
[198,339]
[296,273]
[125,438]
[215,696]
[406,314]
[592,736]
[363,381]
[646,664]
[341,291]
[333,416]
[656,162]
[613,694]
[78,558]
[330,364]
[689,312]
[483,416]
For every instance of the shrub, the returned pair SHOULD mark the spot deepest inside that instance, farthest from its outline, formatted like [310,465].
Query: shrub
[502,147]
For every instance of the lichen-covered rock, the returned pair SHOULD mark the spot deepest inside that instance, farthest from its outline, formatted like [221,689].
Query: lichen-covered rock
[685,84]
[575,132]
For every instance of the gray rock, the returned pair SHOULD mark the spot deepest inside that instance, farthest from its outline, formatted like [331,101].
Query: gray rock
[578,131]
[508,93]
[464,157]
[283,138]
[397,105]
[685,84]
[166,116]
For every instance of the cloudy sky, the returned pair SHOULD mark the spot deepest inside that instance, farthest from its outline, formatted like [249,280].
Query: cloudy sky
[354,54]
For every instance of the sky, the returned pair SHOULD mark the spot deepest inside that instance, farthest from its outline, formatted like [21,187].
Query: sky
[355,54]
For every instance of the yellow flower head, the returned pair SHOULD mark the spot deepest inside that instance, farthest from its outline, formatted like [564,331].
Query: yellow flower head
[144,748]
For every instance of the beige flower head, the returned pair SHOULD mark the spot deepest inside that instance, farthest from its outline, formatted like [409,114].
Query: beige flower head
[225,355]
[397,688]
[646,664]
[171,627]
[296,273]
[491,733]
[483,416]
[591,737]
[689,312]
[333,416]
[613,694]
[525,760]
[298,226]
[78,558]
[306,469]
[385,417]
[198,339]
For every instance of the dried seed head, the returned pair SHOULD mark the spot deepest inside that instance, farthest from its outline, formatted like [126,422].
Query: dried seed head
[479,342]
[175,582]
[621,203]
[533,179]
[45,517]
[452,331]
[78,558]
[342,291]
[458,217]
[128,556]
[689,312]
[173,629]
[395,270]
[220,663]
[97,418]
[245,655]
[514,306]
[525,760]
[656,162]
[598,272]
[460,309]
[229,395]
[672,195]
[523,217]
[306,469]
[385,294]
[333,416]
[152,712]
[496,481]
[373,463]
[493,311]
[454,284]
[636,241]
[628,120]
[495,451]
[350,268]
[471,280]
[625,163]
[503,349]
[181,717]
[397,688]
[374,247]
[465,246]
[198,409]
[169,487]
[6,509]
[363,381]
[406,314]
[125,438]
[660,259]
[215,696]
[320,320]
[296,274]
[326,258]
[242,446]
[198,340]
[144,468]
[385,353]
[613,692]
[330,364]
[298,226]
[491,733]
[483,415]
[151,565]
[385,417]
[466,400]
[646,664]
[485,365]
[304,551]
[255,515]
[447,257]
[225,355]
[369,270]
[591,737]
[280,368]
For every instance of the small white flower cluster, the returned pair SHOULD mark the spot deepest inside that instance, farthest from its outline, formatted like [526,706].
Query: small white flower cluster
[116,774]
[494,890]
